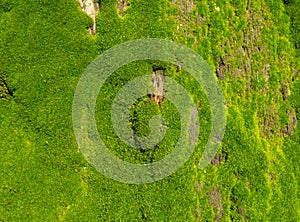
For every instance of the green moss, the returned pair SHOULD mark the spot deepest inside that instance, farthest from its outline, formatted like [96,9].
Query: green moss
[45,47]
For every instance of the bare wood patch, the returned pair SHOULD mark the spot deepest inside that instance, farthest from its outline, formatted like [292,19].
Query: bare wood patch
[186,6]
[269,120]
[198,186]
[216,201]
[63,213]
[122,6]
[4,92]
[293,122]
[242,212]
[239,57]
[221,68]
[91,9]
[271,176]
[84,181]
[217,160]
[158,81]
[284,90]
[197,213]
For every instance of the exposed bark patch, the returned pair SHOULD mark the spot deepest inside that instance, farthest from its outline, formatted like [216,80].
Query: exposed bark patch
[271,176]
[269,120]
[216,201]
[245,50]
[91,9]
[122,6]
[194,127]
[198,186]
[242,212]
[293,122]
[5,91]
[197,215]
[217,160]
[284,90]
[63,212]
[158,81]
[186,6]
[197,211]
[225,155]
[221,68]
[184,21]
[84,181]
[250,185]
[265,72]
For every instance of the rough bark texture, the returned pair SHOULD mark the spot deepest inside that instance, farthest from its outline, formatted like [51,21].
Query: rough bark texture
[122,6]
[91,9]
[158,80]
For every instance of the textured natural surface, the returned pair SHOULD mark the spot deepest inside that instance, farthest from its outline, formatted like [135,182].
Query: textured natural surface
[91,9]
[253,47]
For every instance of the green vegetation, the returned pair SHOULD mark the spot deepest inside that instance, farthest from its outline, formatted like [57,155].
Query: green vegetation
[253,46]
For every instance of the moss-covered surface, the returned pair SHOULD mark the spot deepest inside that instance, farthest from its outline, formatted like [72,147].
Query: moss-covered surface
[253,48]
